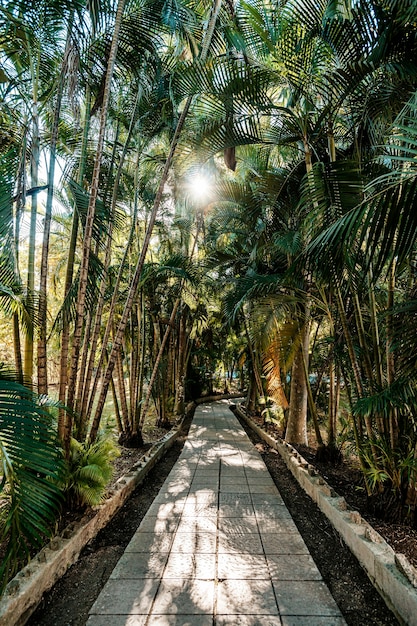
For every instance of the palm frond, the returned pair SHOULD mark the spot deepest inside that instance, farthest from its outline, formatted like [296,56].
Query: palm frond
[31,464]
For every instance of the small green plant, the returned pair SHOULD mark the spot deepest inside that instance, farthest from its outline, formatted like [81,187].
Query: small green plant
[89,469]
[272,413]
[393,474]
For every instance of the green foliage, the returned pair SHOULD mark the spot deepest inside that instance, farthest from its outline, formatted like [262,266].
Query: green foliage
[89,469]
[272,413]
[395,468]
[31,466]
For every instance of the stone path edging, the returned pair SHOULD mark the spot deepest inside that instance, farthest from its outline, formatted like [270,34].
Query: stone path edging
[386,569]
[24,592]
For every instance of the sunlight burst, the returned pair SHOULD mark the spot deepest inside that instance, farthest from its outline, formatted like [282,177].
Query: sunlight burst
[199,187]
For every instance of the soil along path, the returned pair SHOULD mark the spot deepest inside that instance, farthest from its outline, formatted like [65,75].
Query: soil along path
[218,545]
[72,598]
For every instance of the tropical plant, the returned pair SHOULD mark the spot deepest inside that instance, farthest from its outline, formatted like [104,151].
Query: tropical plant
[89,469]
[31,468]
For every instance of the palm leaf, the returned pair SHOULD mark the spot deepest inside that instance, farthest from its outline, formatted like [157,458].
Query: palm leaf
[31,464]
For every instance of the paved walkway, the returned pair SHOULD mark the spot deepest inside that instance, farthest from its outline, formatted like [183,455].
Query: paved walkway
[218,546]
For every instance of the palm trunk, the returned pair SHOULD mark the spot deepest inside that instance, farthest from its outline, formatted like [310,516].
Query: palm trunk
[138,406]
[65,337]
[257,389]
[180,373]
[369,370]
[80,377]
[29,338]
[312,407]
[134,360]
[116,406]
[296,429]
[17,348]
[332,404]
[43,285]
[20,202]
[360,328]
[122,397]
[166,336]
[377,348]
[393,416]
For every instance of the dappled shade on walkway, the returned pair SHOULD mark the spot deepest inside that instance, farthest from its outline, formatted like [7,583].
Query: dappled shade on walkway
[217,546]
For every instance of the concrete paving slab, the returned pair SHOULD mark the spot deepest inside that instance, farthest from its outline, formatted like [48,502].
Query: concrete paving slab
[200,508]
[256,466]
[259,480]
[136,565]
[265,512]
[271,525]
[200,488]
[190,524]
[206,472]
[265,498]
[246,597]
[240,544]
[184,596]
[305,598]
[255,474]
[236,526]
[235,486]
[150,542]
[217,547]
[204,482]
[286,567]
[284,543]
[154,524]
[197,542]
[241,566]
[264,489]
[164,510]
[120,598]
[238,510]
[199,565]
[177,495]
[232,479]
[177,487]
[235,498]
[206,495]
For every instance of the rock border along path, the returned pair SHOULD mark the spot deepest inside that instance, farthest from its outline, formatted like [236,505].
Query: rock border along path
[218,546]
